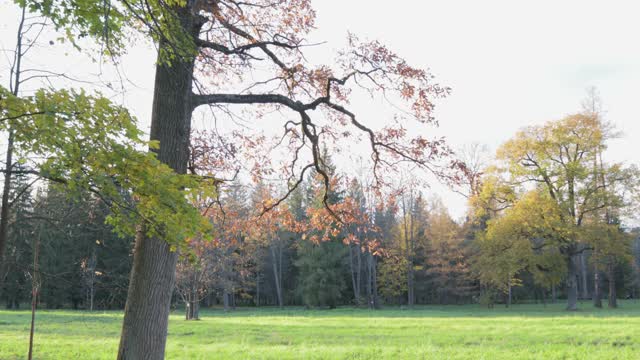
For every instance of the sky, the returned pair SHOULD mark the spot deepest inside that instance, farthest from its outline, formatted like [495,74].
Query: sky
[510,64]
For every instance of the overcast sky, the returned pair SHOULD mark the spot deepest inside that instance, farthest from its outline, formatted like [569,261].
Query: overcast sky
[510,63]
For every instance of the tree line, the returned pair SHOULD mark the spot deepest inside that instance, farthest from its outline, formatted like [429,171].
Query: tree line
[517,242]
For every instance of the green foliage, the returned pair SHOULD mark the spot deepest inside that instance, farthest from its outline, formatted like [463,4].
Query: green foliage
[322,273]
[610,243]
[392,276]
[549,198]
[110,23]
[526,237]
[86,143]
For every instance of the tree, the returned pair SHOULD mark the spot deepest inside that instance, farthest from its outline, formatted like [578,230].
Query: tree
[515,242]
[410,205]
[446,259]
[558,159]
[611,246]
[270,232]
[228,38]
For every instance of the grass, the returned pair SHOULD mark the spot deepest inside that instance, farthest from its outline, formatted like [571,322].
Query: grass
[430,332]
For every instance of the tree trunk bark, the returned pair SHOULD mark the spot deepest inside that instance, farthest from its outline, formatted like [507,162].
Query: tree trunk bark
[369,280]
[572,283]
[509,291]
[146,318]
[4,212]
[276,276]
[225,300]
[584,275]
[358,287]
[15,82]
[354,278]
[258,289]
[374,270]
[611,274]
[597,293]
[144,329]
[35,286]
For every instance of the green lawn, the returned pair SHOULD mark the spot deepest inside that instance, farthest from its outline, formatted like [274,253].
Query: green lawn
[434,332]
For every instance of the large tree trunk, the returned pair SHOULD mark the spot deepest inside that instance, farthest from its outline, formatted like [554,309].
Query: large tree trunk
[225,300]
[144,330]
[572,283]
[584,276]
[611,274]
[597,293]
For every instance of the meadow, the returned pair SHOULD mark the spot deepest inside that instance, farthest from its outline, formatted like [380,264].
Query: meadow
[426,332]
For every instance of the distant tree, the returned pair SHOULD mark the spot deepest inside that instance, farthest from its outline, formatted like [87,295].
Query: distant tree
[447,263]
[611,247]
[506,250]
[269,231]
[558,158]
[322,272]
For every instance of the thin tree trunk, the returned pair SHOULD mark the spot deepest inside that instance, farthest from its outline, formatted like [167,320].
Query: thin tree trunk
[358,275]
[408,242]
[280,247]
[611,274]
[509,291]
[554,294]
[276,275]
[353,275]
[258,289]
[376,303]
[16,72]
[4,212]
[410,245]
[369,280]
[35,285]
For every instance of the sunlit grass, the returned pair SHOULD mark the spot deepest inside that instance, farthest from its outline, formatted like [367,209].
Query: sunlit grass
[433,332]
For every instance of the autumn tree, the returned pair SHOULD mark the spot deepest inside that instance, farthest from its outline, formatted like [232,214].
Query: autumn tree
[447,261]
[269,231]
[411,206]
[211,43]
[363,239]
[514,243]
[557,158]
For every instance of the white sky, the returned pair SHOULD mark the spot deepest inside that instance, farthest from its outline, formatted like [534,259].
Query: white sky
[510,63]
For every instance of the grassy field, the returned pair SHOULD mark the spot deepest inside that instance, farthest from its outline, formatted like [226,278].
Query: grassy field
[434,332]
